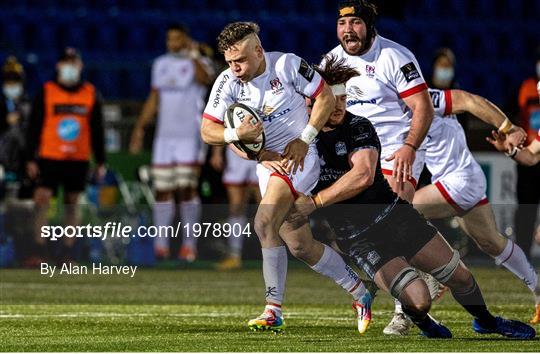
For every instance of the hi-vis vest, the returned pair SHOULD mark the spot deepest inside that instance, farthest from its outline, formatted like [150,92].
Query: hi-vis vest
[66,131]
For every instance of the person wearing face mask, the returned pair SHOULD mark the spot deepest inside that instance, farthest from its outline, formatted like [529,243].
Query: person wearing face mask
[527,186]
[14,111]
[443,75]
[65,130]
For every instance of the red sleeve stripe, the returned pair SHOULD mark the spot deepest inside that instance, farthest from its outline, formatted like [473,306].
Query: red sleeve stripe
[413,90]
[447,102]
[318,90]
[212,118]
[538,136]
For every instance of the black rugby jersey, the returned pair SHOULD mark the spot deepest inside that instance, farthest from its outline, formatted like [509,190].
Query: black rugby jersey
[355,215]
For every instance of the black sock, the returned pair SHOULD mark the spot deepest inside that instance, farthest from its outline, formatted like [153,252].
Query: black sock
[421,320]
[472,300]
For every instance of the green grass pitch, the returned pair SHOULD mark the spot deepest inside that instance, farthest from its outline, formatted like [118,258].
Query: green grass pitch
[203,310]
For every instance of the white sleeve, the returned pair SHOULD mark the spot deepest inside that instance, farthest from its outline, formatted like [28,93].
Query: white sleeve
[442,101]
[154,76]
[220,98]
[297,72]
[406,74]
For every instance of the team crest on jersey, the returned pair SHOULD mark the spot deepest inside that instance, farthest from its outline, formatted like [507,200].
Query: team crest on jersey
[277,86]
[370,71]
[373,257]
[341,148]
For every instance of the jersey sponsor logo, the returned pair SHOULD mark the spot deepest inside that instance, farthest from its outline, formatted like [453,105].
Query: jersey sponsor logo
[435,98]
[277,86]
[70,109]
[354,92]
[306,70]
[370,71]
[341,148]
[69,129]
[361,102]
[219,91]
[410,72]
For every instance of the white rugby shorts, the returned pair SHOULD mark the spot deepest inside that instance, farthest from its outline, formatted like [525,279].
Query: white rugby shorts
[238,171]
[454,170]
[303,181]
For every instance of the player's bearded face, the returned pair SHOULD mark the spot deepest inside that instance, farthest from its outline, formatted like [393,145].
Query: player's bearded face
[336,118]
[352,34]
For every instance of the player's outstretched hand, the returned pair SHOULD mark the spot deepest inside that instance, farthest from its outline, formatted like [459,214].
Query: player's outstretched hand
[294,154]
[249,132]
[516,137]
[403,162]
[497,140]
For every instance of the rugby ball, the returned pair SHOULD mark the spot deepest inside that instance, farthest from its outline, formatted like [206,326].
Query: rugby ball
[236,114]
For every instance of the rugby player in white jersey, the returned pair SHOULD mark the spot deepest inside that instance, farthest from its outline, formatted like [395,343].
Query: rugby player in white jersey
[179,80]
[241,182]
[458,183]
[276,84]
[392,93]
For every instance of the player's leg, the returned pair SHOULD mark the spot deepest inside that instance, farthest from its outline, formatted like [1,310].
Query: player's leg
[187,179]
[480,225]
[275,205]
[440,260]
[296,233]
[42,199]
[237,196]
[431,203]
[163,209]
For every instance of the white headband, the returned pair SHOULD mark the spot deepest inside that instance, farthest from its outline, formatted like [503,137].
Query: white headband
[338,90]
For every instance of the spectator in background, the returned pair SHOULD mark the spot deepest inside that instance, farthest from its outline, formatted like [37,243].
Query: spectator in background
[14,112]
[528,178]
[443,70]
[66,126]
[177,96]
[443,77]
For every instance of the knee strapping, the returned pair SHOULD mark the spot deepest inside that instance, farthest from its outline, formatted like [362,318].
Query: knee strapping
[445,272]
[401,280]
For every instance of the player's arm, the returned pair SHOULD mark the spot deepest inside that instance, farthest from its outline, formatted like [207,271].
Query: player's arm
[360,177]
[422,116]
[529,156]
[147,115]
[214,132]
[482,108]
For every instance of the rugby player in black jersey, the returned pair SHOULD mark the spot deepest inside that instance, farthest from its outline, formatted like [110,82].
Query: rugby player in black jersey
[383,234]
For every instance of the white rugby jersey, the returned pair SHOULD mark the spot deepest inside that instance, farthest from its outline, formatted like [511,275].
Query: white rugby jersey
[278,94]
[389,72]
[181,98]
[447,132]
